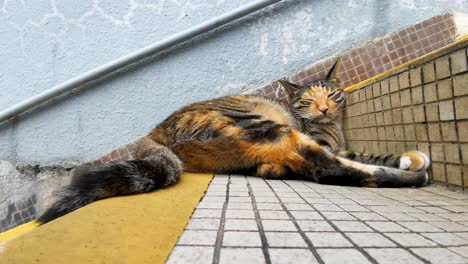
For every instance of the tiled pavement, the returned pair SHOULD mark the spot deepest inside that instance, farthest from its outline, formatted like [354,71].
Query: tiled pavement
[251,220]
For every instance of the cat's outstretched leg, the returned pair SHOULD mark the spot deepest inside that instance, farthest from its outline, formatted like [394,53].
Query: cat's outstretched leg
[411,160]
[302,155]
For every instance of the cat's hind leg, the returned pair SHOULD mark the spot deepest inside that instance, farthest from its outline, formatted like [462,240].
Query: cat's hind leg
[272,171]
[411,160]
[325,167]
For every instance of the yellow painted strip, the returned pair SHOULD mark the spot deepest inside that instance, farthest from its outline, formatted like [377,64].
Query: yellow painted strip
[132,229]
[17,231]
[404,65]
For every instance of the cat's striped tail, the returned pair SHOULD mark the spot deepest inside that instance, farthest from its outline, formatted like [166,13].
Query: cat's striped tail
[116,179]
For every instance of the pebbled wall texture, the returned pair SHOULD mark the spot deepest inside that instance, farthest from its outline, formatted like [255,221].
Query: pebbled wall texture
[47,42]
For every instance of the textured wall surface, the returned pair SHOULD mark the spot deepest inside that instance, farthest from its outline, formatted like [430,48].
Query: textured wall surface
[422,107]
[47,42]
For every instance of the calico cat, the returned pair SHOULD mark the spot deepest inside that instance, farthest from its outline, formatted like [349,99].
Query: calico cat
[251,134]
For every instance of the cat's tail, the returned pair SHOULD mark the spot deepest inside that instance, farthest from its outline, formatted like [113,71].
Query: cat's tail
[115,179]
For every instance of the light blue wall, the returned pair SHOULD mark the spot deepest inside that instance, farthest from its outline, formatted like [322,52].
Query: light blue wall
[44,43]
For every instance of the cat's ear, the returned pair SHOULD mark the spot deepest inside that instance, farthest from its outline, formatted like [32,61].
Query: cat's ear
[290,88]
[333,73]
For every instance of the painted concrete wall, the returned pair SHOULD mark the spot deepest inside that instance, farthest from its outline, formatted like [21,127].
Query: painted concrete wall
[44,43]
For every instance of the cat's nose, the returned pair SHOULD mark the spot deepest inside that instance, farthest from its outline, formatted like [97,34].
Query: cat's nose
[323,109]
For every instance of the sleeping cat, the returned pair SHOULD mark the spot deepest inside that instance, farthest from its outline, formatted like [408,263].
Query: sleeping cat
[248,134]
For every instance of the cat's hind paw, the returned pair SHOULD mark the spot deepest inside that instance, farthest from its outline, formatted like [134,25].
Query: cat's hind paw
[414,161]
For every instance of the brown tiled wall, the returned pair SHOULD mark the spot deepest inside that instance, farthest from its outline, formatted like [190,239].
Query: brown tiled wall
[422,107]
[378,55]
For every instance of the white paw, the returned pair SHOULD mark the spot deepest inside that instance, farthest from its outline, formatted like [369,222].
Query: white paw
[405,163]
[414,161]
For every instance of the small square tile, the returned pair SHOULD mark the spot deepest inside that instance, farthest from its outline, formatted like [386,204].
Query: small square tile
[241,224]
[460,250]
[342,256]
[420,227]
[327,207]
[350,226]
[298,207]
[368,216]
[392,256]
[191,254]
[450,226]
[206,224]
[338,216]
[233,205]
[239,214]
[458,61]
[370,240]
[266,199]
[285,239]
[446,239]
[241,239]
[278,225]
[207,213]
[290,255]
[439,255]
[459,84]
[241,255]
[410,239]
[328,239]
[354,208]
[273,215]
[306,215]
[386,227]
[311,225]
[269,206]
[195,237]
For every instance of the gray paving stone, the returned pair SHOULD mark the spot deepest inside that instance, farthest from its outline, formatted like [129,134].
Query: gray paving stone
[292,200]
[392,256]
[243,206]
[315,201]
[446,239]
[460,250]
[419,227]
[306,215]
[427,217]
[342,201]
[207,213]
[386,226]
[370,240]
[332,239]
[354,208]
[206,224]
[351,226]
[313,225]
[191,254]
[241,255]
[240,200]
[241,239]
[410,239]
[450,226]
[269,206]
[398,216]
[278,225]
[338,216]
[342,256]
[211,205]
[291,256]
[439,255]
[195,237]
[273,215]
[241,224]
[327,207]
[266,199]
[285,239]
[298,207]
[245,214]
[463,235]
[368,216]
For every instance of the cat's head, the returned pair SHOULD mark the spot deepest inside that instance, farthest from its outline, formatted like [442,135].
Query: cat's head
[321,101]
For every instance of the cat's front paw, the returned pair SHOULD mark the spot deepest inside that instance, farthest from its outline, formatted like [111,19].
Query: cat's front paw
[414,161]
